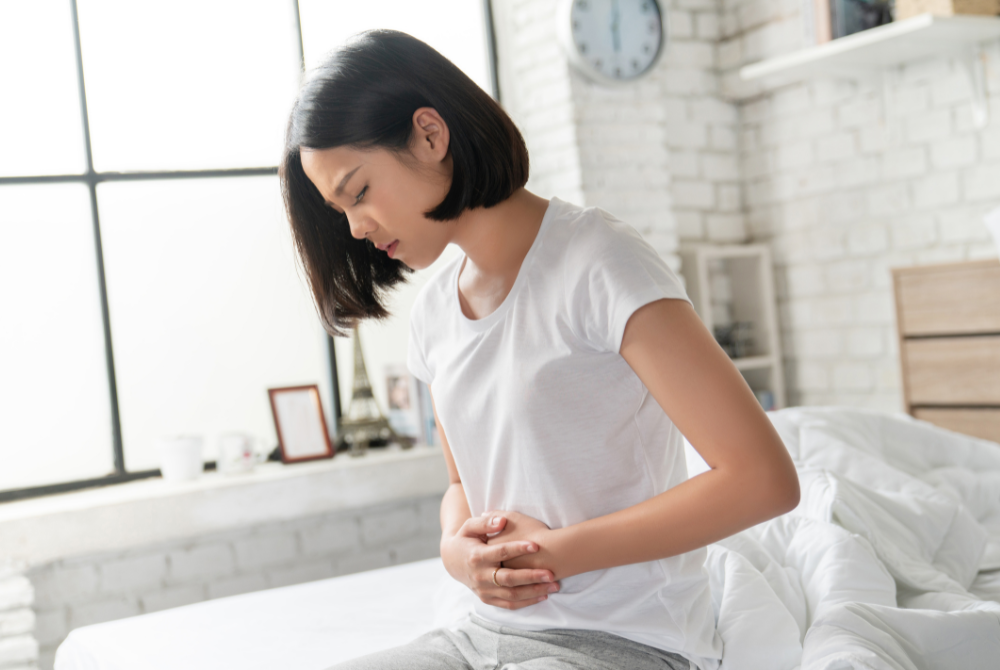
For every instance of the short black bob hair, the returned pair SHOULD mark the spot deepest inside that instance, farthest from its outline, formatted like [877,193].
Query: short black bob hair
[364,96]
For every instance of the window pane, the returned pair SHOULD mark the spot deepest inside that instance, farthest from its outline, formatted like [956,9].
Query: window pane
[461,38]
[207,307]
[188,84]
[40,126]
[55,407]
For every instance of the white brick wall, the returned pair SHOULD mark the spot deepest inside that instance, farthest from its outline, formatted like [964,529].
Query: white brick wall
[843,188]
[77,592]
[18,646]
[843,194]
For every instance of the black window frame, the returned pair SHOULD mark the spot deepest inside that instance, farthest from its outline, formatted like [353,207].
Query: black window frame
[91,179]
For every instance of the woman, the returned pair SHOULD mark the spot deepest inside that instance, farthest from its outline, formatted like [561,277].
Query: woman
[565,362]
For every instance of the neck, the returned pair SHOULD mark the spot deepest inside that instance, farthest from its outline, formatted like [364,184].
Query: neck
[497,239]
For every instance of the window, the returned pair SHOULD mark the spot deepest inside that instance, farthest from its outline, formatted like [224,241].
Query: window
[149,285]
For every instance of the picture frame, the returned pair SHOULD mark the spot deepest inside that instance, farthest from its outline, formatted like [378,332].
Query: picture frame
[402,401]
[300,423]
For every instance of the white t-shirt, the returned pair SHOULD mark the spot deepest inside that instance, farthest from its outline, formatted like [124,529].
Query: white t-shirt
[544,417]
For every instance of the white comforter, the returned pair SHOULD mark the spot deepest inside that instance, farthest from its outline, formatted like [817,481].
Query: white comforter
[894,512]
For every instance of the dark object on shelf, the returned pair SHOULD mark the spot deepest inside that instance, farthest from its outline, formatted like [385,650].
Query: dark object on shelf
[852,16]
[736,339]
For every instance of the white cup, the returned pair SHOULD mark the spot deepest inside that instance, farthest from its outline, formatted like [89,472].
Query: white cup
[180,457]
[236,454]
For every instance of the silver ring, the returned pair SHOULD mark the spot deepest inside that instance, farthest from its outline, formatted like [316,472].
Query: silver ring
[495,576]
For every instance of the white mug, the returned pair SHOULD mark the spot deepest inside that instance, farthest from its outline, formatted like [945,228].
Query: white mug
[180,457]
[236,454]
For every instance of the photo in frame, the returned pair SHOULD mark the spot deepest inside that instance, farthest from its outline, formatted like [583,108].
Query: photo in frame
[300,424]
[401,390]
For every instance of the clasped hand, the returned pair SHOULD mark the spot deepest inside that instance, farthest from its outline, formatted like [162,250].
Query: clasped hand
[510,541]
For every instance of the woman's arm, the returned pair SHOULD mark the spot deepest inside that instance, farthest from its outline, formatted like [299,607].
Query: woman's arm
[752,477]
[469,559]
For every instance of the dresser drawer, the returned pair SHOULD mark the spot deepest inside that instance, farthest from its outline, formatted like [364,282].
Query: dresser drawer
[953,370]
[949,299]
[984,423]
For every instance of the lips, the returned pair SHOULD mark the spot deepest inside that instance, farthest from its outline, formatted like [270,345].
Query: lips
[388,248]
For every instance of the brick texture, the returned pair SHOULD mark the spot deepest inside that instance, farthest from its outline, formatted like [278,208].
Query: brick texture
[844,188]
[19,647]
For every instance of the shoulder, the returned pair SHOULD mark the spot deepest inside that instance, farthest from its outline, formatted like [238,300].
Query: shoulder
[592,239]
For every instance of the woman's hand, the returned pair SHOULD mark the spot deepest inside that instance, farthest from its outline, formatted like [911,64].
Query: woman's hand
[522,528]
[472,558]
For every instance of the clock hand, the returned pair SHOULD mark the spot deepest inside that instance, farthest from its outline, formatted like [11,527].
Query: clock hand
[616,37]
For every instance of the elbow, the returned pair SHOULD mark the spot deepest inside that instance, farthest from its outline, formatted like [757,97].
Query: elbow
[793,493]
[786,492]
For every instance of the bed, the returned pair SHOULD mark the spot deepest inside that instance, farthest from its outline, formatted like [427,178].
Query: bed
[891,561]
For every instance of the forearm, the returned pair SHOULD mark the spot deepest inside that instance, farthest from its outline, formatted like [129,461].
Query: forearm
[454,510]
[702,510]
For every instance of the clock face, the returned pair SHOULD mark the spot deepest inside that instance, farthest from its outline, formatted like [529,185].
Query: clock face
[618,40]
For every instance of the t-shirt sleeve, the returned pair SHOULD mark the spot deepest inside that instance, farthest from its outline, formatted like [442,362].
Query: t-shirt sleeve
[416,361]
[615,273]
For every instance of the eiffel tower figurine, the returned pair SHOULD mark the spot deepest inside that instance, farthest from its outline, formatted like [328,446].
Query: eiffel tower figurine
[364,422]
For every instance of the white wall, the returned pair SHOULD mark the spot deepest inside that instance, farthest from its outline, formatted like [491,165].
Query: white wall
[844,193]
[693,154]
[660,154]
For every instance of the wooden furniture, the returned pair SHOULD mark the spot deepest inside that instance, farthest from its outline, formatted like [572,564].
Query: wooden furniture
[750,293]
[907,8]
[948,320]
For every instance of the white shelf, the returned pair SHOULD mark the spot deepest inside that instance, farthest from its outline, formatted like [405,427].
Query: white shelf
[865,53]
[750,298]
[150,511]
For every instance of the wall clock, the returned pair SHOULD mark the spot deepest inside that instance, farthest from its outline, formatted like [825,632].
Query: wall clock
[612,41]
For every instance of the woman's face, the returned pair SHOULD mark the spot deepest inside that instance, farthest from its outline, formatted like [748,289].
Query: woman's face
[385,200]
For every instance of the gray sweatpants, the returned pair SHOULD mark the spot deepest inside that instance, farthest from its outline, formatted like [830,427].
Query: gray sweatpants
[477,644]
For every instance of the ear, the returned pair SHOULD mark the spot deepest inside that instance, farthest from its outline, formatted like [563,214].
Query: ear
[430,136]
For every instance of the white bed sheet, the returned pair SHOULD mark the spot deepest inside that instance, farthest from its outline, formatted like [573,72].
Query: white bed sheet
[889,563]
[305,627]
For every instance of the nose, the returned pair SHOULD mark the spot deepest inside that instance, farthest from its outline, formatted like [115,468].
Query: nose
[360,226]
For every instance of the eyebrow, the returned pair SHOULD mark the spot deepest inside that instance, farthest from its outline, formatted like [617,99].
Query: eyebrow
[343,182]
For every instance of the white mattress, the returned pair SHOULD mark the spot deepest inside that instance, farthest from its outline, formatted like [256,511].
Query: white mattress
[306,627]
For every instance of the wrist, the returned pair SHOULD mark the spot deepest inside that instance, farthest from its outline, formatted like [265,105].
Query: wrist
[559,545]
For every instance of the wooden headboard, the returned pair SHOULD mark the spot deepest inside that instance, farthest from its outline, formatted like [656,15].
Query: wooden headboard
[948,319]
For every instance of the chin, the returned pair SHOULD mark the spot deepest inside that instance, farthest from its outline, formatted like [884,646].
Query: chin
[415,263]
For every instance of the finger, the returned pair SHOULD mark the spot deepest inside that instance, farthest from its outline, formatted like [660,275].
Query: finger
[529,592]
[512,577]
[482,525]
[512,605]
[495,554]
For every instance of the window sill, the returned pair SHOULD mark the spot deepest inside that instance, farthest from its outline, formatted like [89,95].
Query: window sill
[148,511]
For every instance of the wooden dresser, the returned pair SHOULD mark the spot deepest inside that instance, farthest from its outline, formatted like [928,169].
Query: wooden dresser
[948,318]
